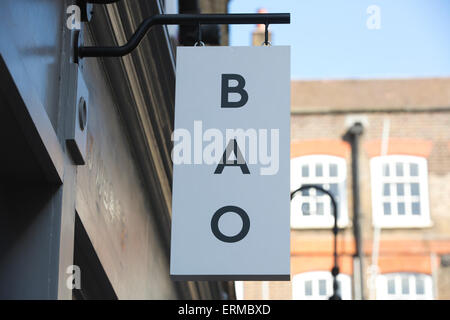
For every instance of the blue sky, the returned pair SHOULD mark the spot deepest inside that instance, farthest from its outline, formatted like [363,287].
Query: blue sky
[330,38]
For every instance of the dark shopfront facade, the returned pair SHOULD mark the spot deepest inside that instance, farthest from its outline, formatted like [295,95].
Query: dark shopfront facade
[110,216]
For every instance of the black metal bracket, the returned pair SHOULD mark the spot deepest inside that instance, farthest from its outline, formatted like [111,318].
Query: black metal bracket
[178,19]
[266,34]
[101,1]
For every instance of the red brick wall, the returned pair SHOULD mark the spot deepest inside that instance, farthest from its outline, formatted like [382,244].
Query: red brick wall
[419,115]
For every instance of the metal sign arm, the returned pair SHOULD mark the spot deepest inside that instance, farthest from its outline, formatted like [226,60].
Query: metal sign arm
[179,19]
[101,1]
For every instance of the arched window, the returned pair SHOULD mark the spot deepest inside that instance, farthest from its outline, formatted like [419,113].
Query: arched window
[400,191]
[313,209]
[404,286]
[318,285]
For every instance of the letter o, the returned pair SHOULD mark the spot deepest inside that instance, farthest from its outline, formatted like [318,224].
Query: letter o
[215,224]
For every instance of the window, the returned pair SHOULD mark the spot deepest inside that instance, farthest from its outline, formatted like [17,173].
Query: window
[404,286]
[312,208]
[318,285]
[400,191]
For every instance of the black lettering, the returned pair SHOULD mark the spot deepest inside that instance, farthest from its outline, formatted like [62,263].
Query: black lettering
[238,162]
[215,224]
[239,89]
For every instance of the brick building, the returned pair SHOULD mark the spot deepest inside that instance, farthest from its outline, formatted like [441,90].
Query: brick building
[404,175]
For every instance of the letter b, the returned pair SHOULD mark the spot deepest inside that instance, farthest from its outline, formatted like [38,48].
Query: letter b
[239,89]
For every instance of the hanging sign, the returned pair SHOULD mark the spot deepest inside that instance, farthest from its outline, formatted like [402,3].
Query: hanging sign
[231,196]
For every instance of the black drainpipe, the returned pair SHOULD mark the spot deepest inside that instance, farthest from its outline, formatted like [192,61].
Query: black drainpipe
[352,136]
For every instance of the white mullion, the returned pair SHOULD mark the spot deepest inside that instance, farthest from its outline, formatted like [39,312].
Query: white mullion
[394,203]
[305,198]
[408,200]
[412,286]
[313,207]
[407,173]
[428,287]
[329,287]
[391,169]
[396,287]
[312,204]
[326,168]
[398,280]
[315,288]
[394,212]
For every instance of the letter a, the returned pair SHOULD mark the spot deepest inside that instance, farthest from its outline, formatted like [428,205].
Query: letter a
[374,20]
[239,162]
[239,89]
[74,20]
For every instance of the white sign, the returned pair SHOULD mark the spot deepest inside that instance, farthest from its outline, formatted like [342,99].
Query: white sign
[231,197]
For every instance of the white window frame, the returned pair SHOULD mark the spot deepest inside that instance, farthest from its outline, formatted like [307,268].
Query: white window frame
[299,280]
[300,221]
[382,286]
[239,290]
[407,220]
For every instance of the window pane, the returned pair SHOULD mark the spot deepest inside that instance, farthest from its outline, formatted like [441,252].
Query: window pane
[416,208]
[317,191]
[399,169]
[305,170]
[385,169]
[319,208]
[420,285]
[337,207]
[305,192]
[333,170]
[400,189]
[322,287]
[387,208]
[319,170]
[305,209]
[405,285]
[339,290]
[415,189]
[386,189]
[413,170]
[391,286]
[308,288]
[401,208]
[334,189]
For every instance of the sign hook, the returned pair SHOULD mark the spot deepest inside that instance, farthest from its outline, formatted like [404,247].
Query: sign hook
[266,35]
[199,36]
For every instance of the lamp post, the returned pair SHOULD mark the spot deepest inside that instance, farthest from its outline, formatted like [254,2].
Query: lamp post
[335,269]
